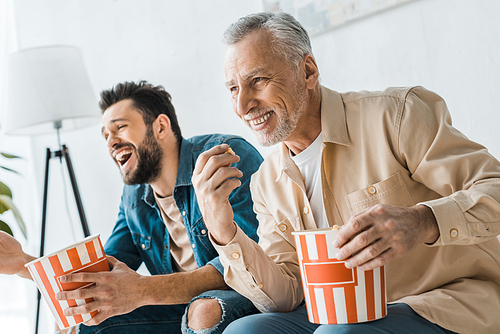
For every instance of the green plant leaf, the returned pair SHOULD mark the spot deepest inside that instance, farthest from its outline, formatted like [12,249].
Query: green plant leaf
[7,201]
[10,156]
[4,227]
[4,190]
[10,170]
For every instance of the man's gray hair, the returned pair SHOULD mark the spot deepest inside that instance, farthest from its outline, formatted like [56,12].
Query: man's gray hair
[290,39]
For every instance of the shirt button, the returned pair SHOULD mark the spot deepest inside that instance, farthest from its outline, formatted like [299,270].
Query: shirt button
[166,247]
[453,233]
[282,227]
[193,246]
[183,213]
[306,210]
[143,246]
[203,231]
[235,255]
[260,286]
[372,190]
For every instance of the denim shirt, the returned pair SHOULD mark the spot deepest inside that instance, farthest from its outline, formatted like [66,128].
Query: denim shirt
[140,234]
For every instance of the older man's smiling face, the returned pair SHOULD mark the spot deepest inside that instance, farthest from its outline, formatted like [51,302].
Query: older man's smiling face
[266,91]
[131,143]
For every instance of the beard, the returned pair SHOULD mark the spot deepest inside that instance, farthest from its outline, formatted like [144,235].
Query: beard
[286,121]
[149,157]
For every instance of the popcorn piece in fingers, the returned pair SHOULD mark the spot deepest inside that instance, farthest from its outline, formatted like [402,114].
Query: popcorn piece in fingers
[230,150]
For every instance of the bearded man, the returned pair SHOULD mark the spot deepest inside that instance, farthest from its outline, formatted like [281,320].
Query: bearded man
[159,224]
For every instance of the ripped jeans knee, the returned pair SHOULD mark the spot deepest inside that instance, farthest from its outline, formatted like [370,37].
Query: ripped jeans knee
[232,306]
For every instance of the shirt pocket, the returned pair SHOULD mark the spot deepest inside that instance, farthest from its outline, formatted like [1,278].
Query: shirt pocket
[389,191]
[141,241]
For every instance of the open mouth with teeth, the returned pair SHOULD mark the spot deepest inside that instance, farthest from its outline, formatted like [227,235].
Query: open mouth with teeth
[123,156]
[259,121]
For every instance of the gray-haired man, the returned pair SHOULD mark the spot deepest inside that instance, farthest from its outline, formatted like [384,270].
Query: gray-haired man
[427,209]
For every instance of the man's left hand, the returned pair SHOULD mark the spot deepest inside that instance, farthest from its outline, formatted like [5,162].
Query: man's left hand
[383,233]
[115,292]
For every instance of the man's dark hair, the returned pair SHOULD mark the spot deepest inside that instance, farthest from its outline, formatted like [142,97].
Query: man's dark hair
[148,99]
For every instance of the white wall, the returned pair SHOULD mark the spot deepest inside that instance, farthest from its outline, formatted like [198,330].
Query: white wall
[450,46]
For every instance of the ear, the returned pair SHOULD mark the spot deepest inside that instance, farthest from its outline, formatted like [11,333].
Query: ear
[311,71]
[162,124]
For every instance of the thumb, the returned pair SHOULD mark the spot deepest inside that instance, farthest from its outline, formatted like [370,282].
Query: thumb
[112,261]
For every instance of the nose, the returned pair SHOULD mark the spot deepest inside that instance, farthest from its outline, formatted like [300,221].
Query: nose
[246,100]
[112,141]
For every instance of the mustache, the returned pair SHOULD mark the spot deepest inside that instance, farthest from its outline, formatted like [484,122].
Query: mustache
[258,113]
[122,145]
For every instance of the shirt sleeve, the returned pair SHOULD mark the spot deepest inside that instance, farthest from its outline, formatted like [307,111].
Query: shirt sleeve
[267,273]
[464,175]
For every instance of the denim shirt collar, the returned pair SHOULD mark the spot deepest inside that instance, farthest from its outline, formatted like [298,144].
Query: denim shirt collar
[183,174]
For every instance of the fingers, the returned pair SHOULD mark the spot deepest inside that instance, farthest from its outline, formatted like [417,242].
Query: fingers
[209,161]
[86,309]
[85,277]
[213,175]
[359,242]
[97,319]
[82,309]
[203,157]
[112,261]
[378,235]
[75,294]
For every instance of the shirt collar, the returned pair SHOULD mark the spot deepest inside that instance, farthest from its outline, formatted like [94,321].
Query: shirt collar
[333,126]
[185,170]
[333,117]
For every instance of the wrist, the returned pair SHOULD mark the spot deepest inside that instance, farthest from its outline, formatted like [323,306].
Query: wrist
[224,235]
[431,230]
[24,272]
[148,294]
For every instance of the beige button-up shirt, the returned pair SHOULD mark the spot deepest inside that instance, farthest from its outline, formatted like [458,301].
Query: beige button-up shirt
[396,147]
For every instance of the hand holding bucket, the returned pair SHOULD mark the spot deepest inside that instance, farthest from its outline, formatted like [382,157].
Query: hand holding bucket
[333,293]
[85,256]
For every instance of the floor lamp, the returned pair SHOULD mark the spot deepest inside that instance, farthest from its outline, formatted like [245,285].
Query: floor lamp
[47,90]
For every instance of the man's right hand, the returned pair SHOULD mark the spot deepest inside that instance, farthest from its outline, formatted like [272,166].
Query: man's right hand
[12,257]
[213,181]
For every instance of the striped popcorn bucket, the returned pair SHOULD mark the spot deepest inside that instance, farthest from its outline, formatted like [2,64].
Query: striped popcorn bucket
[87,255]
[333,293]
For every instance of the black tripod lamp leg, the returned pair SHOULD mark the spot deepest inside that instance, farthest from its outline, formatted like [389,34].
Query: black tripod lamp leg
[42,233]
[76,193]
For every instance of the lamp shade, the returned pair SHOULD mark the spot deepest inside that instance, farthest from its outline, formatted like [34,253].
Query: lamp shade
[46,86]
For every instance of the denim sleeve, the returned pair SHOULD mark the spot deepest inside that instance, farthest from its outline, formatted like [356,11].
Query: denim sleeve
[120,243]
[240,198]
[217,264]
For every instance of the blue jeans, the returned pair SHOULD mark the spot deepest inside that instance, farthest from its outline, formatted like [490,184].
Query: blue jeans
[400,319]
[172,318]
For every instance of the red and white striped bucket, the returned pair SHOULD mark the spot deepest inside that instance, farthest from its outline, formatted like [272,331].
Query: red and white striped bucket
[333,293]
[85,256]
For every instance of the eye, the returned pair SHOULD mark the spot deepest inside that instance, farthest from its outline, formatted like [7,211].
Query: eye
[259,79]
[120,127]
[233,89]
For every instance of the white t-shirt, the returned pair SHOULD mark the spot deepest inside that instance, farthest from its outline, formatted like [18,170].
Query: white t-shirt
[309,163]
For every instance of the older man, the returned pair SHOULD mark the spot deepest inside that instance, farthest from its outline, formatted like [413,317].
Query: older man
[411,192]
[159,224]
